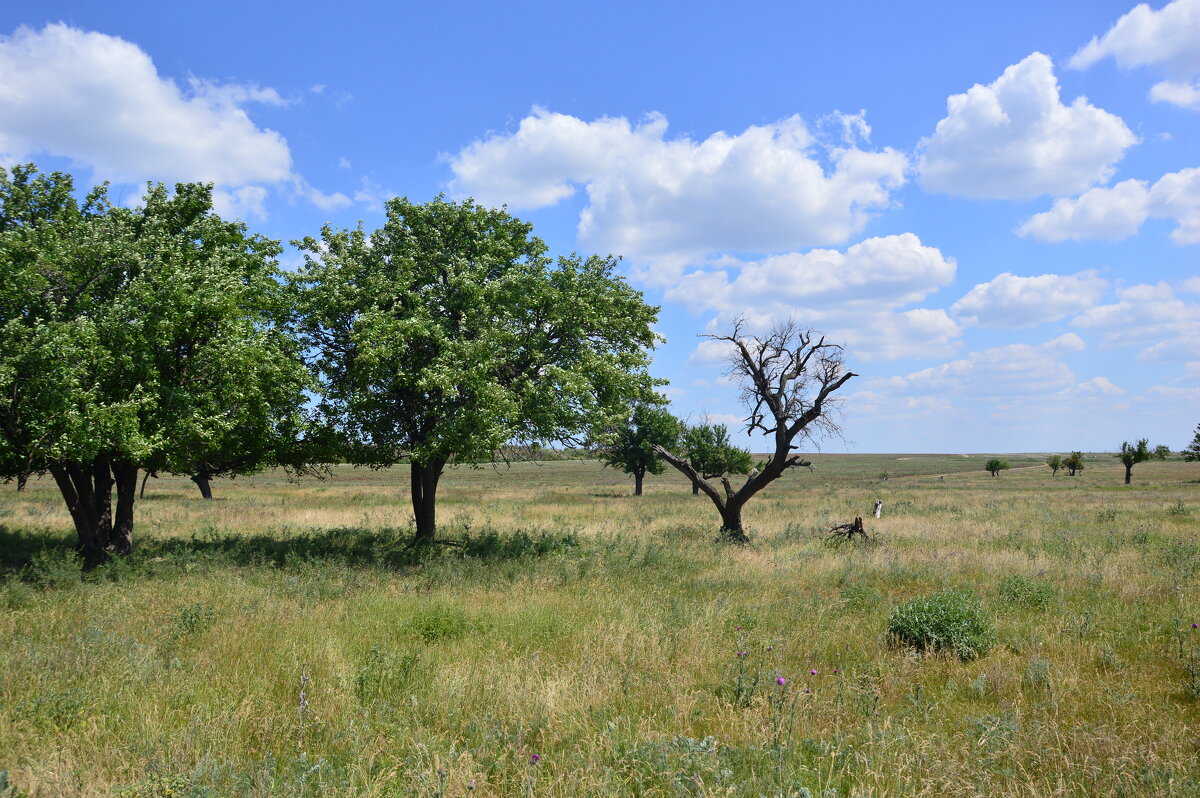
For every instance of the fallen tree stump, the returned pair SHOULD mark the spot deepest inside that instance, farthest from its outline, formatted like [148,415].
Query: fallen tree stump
[848,532]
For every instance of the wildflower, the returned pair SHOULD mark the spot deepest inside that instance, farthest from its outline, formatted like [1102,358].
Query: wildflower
[835,670]
[1196,626]
[741,653]
[534,759]
[471,785]
[808,690]
[813,671]
[780,681]
[739,629]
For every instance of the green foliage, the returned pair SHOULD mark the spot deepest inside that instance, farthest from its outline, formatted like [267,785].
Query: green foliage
[708,448]
[1132,454]
[1055,462]
[951,621]
[448,333]
[1073,463]
[631,446]
[860,597]
[1161,452]
[995,465]
[1191,452]
[1021,591]
[56,568]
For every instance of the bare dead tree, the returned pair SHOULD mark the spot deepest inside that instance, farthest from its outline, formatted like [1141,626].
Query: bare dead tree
[788,378]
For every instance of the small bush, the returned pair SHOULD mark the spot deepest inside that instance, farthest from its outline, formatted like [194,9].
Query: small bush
[951,621]
[1021,591]
[56,568]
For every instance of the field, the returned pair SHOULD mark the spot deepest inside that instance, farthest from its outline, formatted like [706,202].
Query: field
[279,640]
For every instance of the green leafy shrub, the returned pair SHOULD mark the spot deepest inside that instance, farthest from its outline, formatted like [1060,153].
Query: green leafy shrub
[951,621]
[56,568]
[1021,591]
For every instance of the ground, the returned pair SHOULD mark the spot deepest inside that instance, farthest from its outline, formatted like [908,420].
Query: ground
[279,640]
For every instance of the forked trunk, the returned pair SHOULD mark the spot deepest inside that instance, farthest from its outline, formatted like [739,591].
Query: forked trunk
[731,523]
[425,478]
[87,490]
[203,483]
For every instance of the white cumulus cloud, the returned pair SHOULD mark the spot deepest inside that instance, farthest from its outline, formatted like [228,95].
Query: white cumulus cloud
[99,101]
[1011,301]
[1151,317]
[1168,38]
[769,188]
[1118,212]
[1015,139]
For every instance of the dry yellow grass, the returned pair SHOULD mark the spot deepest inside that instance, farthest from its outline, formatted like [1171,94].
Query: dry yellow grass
[613,657]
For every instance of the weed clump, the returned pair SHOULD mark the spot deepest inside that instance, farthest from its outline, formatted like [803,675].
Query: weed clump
[1021,591]
[951,621]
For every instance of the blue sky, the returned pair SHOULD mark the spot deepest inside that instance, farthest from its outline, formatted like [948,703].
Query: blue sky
[996,207]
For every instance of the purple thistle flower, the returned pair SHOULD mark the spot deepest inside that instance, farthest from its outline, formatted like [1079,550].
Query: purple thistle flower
[1195,626]
[780,681]
[835,670]
[813,671]
[471,785]
[808,690]
[739,629]
[534,759]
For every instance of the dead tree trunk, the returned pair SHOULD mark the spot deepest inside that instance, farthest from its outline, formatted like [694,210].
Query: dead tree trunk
[878,508]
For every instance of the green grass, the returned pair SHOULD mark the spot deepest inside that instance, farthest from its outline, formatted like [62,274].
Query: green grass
[602,632]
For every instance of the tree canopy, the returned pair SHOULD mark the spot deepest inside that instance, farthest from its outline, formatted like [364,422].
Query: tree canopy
[449,332]
[133,336]
[631,446]
[995,465]
[1191,452]
[1132,454]
[709,451]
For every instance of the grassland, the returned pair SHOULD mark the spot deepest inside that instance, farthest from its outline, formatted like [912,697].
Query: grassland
[279,640]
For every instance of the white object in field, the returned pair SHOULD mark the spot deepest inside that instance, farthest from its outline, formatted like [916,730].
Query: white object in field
[878,508]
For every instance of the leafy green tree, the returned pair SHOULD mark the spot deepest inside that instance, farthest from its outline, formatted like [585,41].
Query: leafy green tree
[1162,452]
[995,466]
[1055,462]
[1131,455]
[1073,463]
[788,380]
[708,450]
[448,333]
[632,445]
[1191,452]
[125,334]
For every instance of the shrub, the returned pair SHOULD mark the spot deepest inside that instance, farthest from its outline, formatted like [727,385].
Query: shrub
[1021,591]
[56,568]
[951,621]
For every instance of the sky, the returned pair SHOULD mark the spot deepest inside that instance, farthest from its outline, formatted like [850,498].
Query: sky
[995,208]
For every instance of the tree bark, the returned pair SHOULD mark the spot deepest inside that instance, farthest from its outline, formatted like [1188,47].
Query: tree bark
[203,483]
[121,536]
[142,493]
[81,515]
[695,488]
[1128,472]
[638,476]
[731,523]
[425,478]
[21,480]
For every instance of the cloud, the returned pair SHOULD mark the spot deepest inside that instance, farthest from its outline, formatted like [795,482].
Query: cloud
[99,101]
[1118,212]
[770,188]
[1011,301]
[1148,316]
[855,295]
[1166,38]
[1015,139]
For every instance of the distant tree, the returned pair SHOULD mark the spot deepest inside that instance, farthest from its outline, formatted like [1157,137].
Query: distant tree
[448,333]
[709,451]
[631,445]
[1055,462]
[1132,455]
[788,380]
[1191,452]
[1073,463]
[1162,452]
[995,466]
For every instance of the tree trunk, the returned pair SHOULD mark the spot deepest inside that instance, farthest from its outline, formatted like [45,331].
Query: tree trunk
[425,478]
[731,523]
[202,482]
[121,536]
[142,493]
[1128,472]
[21,480]
[81,514]
[102,485]
[695,487]
[638,476]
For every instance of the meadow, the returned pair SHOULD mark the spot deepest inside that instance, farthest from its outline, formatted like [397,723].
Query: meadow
[280,640]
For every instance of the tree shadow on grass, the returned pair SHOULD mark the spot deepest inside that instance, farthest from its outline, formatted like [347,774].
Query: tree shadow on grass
[386,548]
